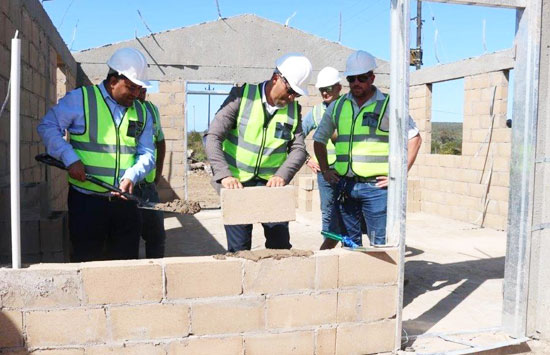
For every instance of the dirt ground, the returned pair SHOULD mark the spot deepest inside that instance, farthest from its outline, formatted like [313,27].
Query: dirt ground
[201,190]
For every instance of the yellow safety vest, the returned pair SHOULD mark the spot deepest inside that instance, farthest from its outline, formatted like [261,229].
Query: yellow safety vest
[105,149]
[361,143]
[318,112]
[154,112]
[258,146]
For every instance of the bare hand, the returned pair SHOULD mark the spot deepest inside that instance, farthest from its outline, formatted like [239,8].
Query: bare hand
[126,185]
[275,181]
[231,183]
[331,176]
[313,165]
[77,171]
[382,181]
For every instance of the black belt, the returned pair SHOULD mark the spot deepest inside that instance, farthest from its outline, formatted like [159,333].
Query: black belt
[371,179]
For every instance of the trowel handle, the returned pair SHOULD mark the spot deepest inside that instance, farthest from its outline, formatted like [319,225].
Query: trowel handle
[49,160]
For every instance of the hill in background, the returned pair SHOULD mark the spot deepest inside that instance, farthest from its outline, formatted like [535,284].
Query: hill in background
[447,138]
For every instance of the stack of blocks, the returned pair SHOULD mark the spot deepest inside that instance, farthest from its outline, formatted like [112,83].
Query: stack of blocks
[333,302]
[308,194]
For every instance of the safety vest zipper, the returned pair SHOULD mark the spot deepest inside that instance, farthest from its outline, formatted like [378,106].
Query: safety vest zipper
[117,160]
[262,146]
[351,138]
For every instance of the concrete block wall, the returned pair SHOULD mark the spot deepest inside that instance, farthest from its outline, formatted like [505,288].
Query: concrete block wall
[43,53]
[171,103]
[472,187]
[297,305]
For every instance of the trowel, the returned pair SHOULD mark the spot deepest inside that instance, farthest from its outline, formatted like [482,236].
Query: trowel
[141,203]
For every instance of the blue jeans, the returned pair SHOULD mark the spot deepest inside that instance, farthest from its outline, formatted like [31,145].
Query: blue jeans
[239,236]
[330,213]
[366,201]
[152,229]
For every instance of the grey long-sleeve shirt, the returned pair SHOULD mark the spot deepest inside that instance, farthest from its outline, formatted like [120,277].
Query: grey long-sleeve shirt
[226,120]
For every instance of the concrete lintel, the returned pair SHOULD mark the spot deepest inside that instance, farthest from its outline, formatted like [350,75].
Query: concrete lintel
[496,61]
[513,4]
[38,14]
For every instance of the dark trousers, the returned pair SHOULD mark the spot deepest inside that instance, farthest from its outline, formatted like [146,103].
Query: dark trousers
[239,236]
[101,228]
[152,222]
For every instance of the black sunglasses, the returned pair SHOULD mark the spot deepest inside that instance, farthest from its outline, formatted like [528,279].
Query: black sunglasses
[289,89]
[326,88]
[363,78]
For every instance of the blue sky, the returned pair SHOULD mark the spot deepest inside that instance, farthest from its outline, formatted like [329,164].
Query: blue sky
[365,25]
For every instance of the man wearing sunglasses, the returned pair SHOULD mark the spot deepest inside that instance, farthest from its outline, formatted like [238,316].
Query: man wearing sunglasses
[328,83]
[256,139]
[361,121]
[112,140]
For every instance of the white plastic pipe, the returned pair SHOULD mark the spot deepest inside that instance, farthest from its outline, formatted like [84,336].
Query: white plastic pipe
[15,175]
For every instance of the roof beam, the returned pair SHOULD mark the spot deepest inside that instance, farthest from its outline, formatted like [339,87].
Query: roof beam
[501,60]
[512,4]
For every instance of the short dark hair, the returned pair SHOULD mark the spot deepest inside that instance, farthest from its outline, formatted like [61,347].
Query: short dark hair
[113,73]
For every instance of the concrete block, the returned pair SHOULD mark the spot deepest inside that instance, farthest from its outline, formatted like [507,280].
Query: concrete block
[172,133]
[149,322]
[369,338]
[304,194]
[228,316]
[500,193]
[232,345]
[315,201]
[305,204]
[65,327]
[203,277]
[376,268]
[272,276]
[292,311]
[306,183]
[326,271]
[325,341]
[126,349]
[258,204]
[349,309]
[39,288]
[121,282]
[379,303]
[285,343]
[11,329]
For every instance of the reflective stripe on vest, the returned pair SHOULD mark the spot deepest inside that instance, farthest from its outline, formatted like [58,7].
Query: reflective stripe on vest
[256,148]
[153,112]
[105,149]
[318,112]
[360,140]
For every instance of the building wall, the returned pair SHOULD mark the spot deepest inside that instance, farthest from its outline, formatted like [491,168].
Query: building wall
[303,305]
[472,187]
[43,55]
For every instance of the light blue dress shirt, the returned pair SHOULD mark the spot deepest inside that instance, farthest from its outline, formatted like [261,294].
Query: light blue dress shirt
[68,114]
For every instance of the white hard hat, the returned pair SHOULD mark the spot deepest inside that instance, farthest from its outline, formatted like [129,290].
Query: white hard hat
[296,69]
[359,62]
[130,63]
[327,76]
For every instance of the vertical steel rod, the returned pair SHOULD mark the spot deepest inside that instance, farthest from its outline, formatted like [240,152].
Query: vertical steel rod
[399,113]
[15,173]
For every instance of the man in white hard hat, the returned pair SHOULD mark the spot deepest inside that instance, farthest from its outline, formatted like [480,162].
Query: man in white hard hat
[256,139]
[361,121]
[328,83]
[110,139]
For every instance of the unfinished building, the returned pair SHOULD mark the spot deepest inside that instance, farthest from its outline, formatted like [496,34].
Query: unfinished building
[238,308]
